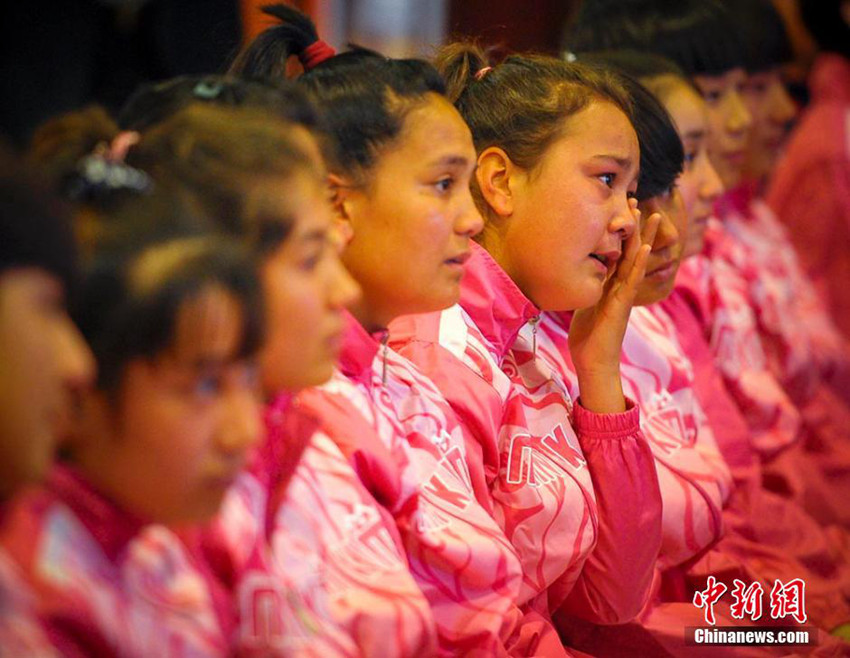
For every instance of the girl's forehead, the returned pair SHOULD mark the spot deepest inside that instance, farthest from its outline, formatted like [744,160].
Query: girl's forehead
[208,328]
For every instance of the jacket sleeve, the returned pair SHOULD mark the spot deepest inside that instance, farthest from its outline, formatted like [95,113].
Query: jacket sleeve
[616,579]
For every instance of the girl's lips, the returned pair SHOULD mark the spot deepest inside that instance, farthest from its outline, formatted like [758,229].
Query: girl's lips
[662,272]
[601,264]
[460,259]
[736,157]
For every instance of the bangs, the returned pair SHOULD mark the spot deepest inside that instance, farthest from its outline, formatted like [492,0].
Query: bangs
[708,44]
[699,35]
[763,33]
[131,311]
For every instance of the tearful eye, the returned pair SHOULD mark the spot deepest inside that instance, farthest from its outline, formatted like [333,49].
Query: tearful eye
[444,184]
[608,179]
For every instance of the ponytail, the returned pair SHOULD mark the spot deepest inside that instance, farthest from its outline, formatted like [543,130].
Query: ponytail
[296,35]
[462,64]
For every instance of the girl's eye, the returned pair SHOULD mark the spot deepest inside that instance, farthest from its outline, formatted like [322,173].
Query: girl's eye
[207,386]
[252,375]
[312,261]
[690,158]
[444,184]
[712,96]
[608,179]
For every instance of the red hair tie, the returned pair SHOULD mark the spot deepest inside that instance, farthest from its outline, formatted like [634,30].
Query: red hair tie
[316,53]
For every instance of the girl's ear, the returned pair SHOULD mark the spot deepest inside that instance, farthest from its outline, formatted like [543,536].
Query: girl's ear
[341,203]
[497,178]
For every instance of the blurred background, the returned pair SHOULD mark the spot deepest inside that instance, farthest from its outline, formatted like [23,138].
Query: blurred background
[58,55]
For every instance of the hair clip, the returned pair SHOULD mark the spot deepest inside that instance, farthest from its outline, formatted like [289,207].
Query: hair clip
[96,174]
[208,90]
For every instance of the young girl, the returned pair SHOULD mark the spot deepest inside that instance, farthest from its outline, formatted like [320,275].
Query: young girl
[401,190]
[173,318]
[696,486]
[336,582]
[556,165]
[749,249]
[701,38]
[693,477]
[43,363]
[813,206]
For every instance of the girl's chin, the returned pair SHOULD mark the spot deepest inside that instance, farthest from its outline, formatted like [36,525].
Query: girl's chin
[586,298]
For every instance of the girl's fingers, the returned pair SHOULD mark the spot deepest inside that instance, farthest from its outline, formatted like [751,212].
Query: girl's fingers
[632,245]
[635,276]
[650,229]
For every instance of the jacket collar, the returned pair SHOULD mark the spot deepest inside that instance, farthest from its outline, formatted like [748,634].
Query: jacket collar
[359,349]
[737,200]
[493,301]
[561,318]
[830,78]
[112,526]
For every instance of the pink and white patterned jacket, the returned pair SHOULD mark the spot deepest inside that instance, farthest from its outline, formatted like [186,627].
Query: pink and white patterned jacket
[575,492]
[805,349]
[410,451]
[21,633]
[316,564]
[692,474]
[718,296]
[768,536]
[107,583]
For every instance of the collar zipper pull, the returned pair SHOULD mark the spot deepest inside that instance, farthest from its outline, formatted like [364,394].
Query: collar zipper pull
[384,339]
[534,322]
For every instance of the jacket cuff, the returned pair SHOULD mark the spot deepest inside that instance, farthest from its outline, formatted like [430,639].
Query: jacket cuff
[606,426]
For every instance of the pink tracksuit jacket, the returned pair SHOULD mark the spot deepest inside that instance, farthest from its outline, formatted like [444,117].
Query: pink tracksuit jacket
[696,485]
[21,633]
[692,474]
[719,298]
[316,564]
[410,451]
[768,537]
[576,493]
[810,186]
[813,466]
[805,349]
[806,353]
[109,584]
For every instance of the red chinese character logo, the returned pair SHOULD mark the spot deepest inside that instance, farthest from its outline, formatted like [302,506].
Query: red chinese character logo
[708,597]
[788,599]
[748,600]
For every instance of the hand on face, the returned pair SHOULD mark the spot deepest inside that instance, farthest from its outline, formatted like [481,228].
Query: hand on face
[596,333]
